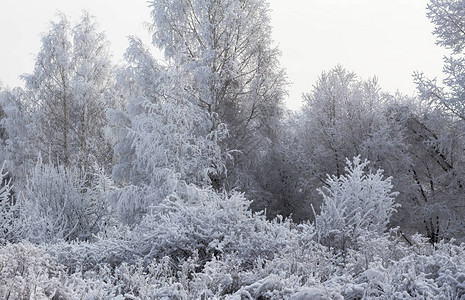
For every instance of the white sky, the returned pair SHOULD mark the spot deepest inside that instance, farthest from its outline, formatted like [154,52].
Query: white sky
[387,38]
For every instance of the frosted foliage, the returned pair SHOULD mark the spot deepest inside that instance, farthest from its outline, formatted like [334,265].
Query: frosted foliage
[8,208]
[229,68]
[183,136]
[162,139]
[345,116]
[214,224]
[306,272]
[213,247]
[356,202]
[447,16]
[219,250]
[228,25]
[340,114]
[28,273]
[443,127]
[57,204]
[69,91]
[206,222]
[18,151]
[160,111]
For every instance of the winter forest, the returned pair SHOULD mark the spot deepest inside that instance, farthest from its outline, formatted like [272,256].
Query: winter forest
[186,177]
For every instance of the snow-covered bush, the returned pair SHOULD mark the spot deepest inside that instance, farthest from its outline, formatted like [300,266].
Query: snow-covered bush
[214,224]
[422,272]
[8,208]
[204,222]
[354,204]
[435,271]
[211,246]
[60,203]
[28,273]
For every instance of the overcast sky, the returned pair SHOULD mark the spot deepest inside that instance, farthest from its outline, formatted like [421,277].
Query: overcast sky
[387,38]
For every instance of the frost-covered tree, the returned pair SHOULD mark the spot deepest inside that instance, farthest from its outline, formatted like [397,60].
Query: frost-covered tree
[339,116]
[18,132]
[441,127]
[60,117]
[447,16]
[230,69]
[163,141]
[345,116]
[67,94]
[282,187]
[342,117]
[354,204]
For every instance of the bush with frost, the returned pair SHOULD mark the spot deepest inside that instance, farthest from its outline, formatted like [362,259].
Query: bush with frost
[354,204]
[60,203]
